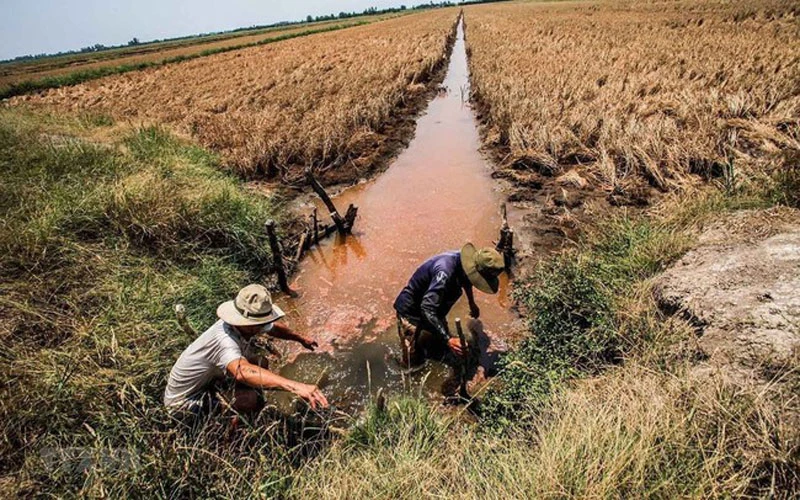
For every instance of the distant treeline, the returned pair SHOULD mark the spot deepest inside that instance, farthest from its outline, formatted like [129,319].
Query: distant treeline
[371,11]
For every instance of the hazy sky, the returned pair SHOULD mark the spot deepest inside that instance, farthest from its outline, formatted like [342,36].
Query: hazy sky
[36,26]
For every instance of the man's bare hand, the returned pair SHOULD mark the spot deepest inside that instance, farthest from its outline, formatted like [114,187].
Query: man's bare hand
[312,394]
[474,310]
[309,344]
[455,346]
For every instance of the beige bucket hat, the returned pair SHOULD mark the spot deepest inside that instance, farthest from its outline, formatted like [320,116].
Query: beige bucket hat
[482,267]
[252,306]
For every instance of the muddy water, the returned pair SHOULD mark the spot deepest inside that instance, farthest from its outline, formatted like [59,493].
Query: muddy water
[437,195]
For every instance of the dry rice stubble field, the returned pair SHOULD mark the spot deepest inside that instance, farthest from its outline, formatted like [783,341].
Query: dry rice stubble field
[581,450]
[324,101]
[17,72]
[582,101]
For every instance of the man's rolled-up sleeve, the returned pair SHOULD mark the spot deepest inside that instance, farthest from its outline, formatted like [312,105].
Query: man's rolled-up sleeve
[227,351]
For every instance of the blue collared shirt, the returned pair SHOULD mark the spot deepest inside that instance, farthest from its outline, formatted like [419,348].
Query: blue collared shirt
[432,291]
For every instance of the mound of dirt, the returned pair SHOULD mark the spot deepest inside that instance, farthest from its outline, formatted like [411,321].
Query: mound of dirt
[741,289]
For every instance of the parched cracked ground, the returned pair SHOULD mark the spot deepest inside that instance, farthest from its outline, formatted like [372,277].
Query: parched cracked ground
[741,289]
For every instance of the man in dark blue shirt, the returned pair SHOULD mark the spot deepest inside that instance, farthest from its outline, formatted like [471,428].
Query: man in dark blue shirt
[435,287]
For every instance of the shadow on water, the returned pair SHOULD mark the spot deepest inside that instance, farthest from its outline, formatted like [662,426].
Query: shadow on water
[437,195]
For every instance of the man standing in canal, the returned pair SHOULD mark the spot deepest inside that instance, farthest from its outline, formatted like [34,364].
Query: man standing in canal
[221,363]
[422,306]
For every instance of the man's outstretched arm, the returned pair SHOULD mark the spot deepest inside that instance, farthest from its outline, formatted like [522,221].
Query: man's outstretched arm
[286,333]
[254,376]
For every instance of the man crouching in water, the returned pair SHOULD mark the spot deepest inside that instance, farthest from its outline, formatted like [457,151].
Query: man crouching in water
[433,289]
[222,352]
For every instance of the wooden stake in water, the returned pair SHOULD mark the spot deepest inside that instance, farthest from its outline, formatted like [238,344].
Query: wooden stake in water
[505,245]
[316,226]
[343,224]
[463,394]
[301,246]
[277,258]
[317,187]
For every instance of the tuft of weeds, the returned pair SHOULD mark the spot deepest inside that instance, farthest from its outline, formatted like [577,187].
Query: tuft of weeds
[787,181]
[578,304]
[572,330]
[407,422]
[391,454]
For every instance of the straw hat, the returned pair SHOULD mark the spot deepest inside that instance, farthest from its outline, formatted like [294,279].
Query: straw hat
[482,267]
[252,306]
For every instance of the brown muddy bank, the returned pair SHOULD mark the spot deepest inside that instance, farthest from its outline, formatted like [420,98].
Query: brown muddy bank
[369,156]
[556,200]
[583,124]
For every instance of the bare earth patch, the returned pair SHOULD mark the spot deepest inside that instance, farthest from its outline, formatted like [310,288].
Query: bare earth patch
[741,288]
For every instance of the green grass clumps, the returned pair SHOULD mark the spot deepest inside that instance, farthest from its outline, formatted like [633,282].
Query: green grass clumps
[162,198]
[572,330]
[575,302]
[98,241]
[407,422]
[183,205]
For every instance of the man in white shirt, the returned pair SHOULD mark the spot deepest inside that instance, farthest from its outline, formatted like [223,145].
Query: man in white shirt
[223,350]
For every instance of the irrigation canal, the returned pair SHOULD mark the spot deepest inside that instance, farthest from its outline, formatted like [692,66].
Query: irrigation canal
[437,195]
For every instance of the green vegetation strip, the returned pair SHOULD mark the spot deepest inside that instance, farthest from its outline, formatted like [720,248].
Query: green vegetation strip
[29,86]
